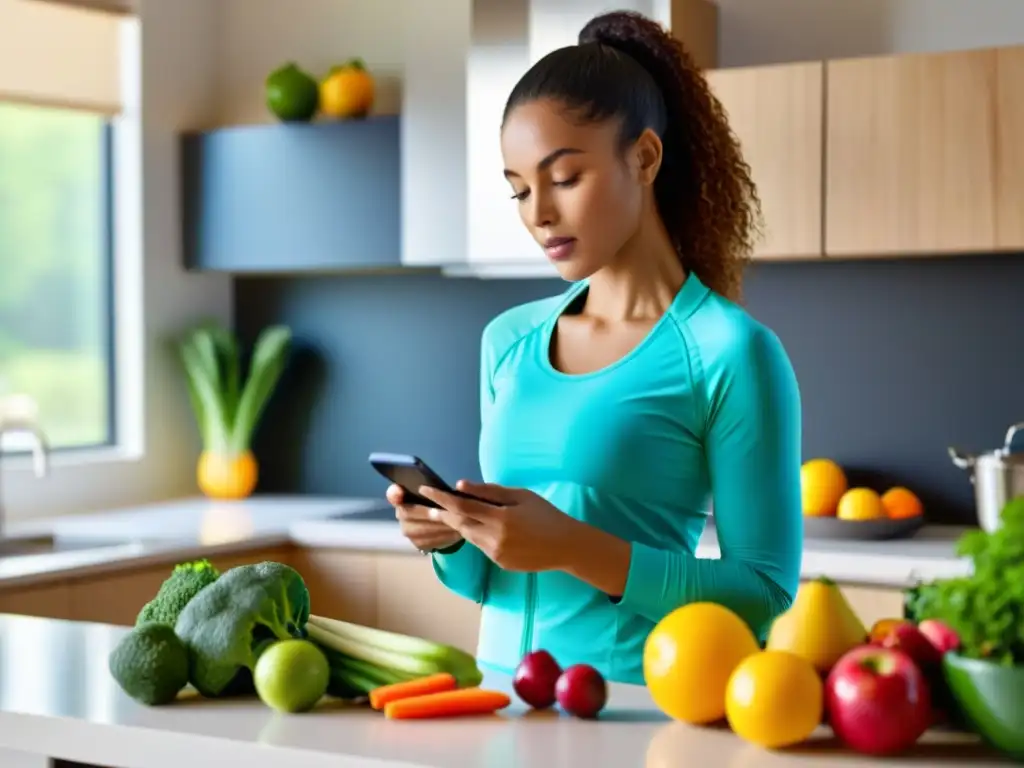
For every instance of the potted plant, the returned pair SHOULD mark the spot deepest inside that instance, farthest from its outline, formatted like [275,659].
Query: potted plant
[985,674]
[226,410]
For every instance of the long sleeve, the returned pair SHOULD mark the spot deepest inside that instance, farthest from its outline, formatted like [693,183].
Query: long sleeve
[464,571]
[753,451]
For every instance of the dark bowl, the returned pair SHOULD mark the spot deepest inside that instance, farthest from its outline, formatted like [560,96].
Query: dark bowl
[861,530]
[991,700]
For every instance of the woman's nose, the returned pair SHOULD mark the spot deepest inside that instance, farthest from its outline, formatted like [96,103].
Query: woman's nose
[543,212]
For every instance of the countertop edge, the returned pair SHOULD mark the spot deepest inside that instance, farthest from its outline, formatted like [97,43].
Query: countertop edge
[315,522]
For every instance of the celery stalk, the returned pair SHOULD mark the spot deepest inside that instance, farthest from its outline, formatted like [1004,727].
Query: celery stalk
[414,665]
[394,641]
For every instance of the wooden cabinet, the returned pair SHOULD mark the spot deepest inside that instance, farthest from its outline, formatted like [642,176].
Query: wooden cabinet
[395,592]
[910,157]
[777,114]
[51,601]
[1010,149]
[117,598]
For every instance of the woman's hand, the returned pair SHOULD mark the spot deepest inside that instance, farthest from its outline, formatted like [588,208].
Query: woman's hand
[524,533]
[426,532]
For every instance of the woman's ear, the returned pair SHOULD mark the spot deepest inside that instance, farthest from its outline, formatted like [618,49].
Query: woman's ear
[648,153]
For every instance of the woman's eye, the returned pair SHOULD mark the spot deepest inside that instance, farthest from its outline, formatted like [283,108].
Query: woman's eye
[520,196]
[568,182]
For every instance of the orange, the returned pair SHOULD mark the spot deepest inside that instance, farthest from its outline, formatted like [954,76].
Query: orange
[860,504]
[689,656]
[822,483]
[774,699]
[901,503]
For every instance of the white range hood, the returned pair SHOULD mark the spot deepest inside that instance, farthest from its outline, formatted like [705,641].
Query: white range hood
[463,57]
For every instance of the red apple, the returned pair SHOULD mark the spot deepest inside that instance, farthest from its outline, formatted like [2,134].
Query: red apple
[878,700]
[582,691]
[535,679]
[942,637]
[909,639]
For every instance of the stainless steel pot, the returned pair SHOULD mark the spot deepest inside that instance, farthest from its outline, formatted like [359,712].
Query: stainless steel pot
[998,476]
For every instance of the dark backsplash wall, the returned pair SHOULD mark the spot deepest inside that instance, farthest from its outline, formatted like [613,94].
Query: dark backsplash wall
[896,360]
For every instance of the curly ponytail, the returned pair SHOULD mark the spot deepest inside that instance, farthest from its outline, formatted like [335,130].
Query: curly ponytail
[627,67]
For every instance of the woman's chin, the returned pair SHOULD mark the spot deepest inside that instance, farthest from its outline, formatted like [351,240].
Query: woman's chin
[573,270]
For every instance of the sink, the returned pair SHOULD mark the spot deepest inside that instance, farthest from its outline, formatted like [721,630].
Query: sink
[383,514]
[25,546]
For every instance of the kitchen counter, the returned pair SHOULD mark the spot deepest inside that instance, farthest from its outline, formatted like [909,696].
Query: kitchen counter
[191,527]
[57,700]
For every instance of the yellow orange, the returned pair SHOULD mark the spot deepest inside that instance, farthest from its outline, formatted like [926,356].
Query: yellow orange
[901,503]
[689,657]
[774,699]
[822,484]
[860,504]
[223,476]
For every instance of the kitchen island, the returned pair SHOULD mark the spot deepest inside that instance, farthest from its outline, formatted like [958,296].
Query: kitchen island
[58,702]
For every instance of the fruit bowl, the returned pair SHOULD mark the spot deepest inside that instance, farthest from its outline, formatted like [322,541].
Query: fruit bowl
[991,699]
[878,529]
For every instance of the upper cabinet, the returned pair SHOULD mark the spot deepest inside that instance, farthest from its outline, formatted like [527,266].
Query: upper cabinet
[924,154]
[293,197]
[776,112]
[911,161]
[1010,149]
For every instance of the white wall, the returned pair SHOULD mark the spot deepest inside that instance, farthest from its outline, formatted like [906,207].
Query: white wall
[180,41]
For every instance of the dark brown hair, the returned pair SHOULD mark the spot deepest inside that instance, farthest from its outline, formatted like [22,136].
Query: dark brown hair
[627,67]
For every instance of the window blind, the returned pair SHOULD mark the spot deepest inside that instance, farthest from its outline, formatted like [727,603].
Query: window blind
[62,53]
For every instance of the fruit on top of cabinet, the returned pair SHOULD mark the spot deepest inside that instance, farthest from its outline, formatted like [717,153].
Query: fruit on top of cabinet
[347,91]
[292,94]
[819,626]
[689,657]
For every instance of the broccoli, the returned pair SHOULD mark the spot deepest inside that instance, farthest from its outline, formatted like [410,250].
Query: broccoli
[184,583]
[229,623]
[150,664]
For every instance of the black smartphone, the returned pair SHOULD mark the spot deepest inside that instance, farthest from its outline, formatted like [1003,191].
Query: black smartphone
[411,472]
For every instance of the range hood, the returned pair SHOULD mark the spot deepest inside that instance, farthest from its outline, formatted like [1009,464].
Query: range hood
[463,58]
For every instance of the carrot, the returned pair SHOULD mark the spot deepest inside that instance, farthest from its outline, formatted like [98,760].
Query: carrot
[406,689]
[464,701]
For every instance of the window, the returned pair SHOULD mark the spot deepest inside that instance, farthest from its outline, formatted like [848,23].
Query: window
[56,329]
[60,88]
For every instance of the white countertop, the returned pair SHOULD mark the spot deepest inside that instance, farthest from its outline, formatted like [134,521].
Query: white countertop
[57,699]
[188,527]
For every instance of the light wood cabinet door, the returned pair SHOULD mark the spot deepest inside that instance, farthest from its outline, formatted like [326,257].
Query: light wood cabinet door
[910,158]
[117,598]
[776,113]
[1010,137]
[411,600]
[51,601]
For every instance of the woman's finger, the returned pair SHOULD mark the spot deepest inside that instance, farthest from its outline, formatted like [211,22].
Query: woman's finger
[395,494]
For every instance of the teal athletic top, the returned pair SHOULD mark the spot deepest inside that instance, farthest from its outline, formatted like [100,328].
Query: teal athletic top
[705,407]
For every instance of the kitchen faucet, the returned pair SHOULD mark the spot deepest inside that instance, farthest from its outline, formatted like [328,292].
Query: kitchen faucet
[40,452]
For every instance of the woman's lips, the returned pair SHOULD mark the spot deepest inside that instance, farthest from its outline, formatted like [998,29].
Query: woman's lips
[560,248]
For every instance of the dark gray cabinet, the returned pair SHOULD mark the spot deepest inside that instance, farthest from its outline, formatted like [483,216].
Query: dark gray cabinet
[293,197]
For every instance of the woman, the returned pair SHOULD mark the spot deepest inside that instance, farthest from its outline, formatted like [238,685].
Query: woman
[612,413]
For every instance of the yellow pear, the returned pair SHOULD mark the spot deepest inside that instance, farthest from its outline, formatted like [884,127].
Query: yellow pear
[820,625]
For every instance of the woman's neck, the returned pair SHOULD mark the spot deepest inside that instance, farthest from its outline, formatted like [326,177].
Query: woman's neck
[641,283]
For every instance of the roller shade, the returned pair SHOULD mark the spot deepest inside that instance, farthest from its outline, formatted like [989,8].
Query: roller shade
[63,53]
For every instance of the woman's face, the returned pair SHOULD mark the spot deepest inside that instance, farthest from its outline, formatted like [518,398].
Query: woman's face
[577,195]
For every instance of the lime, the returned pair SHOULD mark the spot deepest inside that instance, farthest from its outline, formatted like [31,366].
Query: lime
[291,675]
